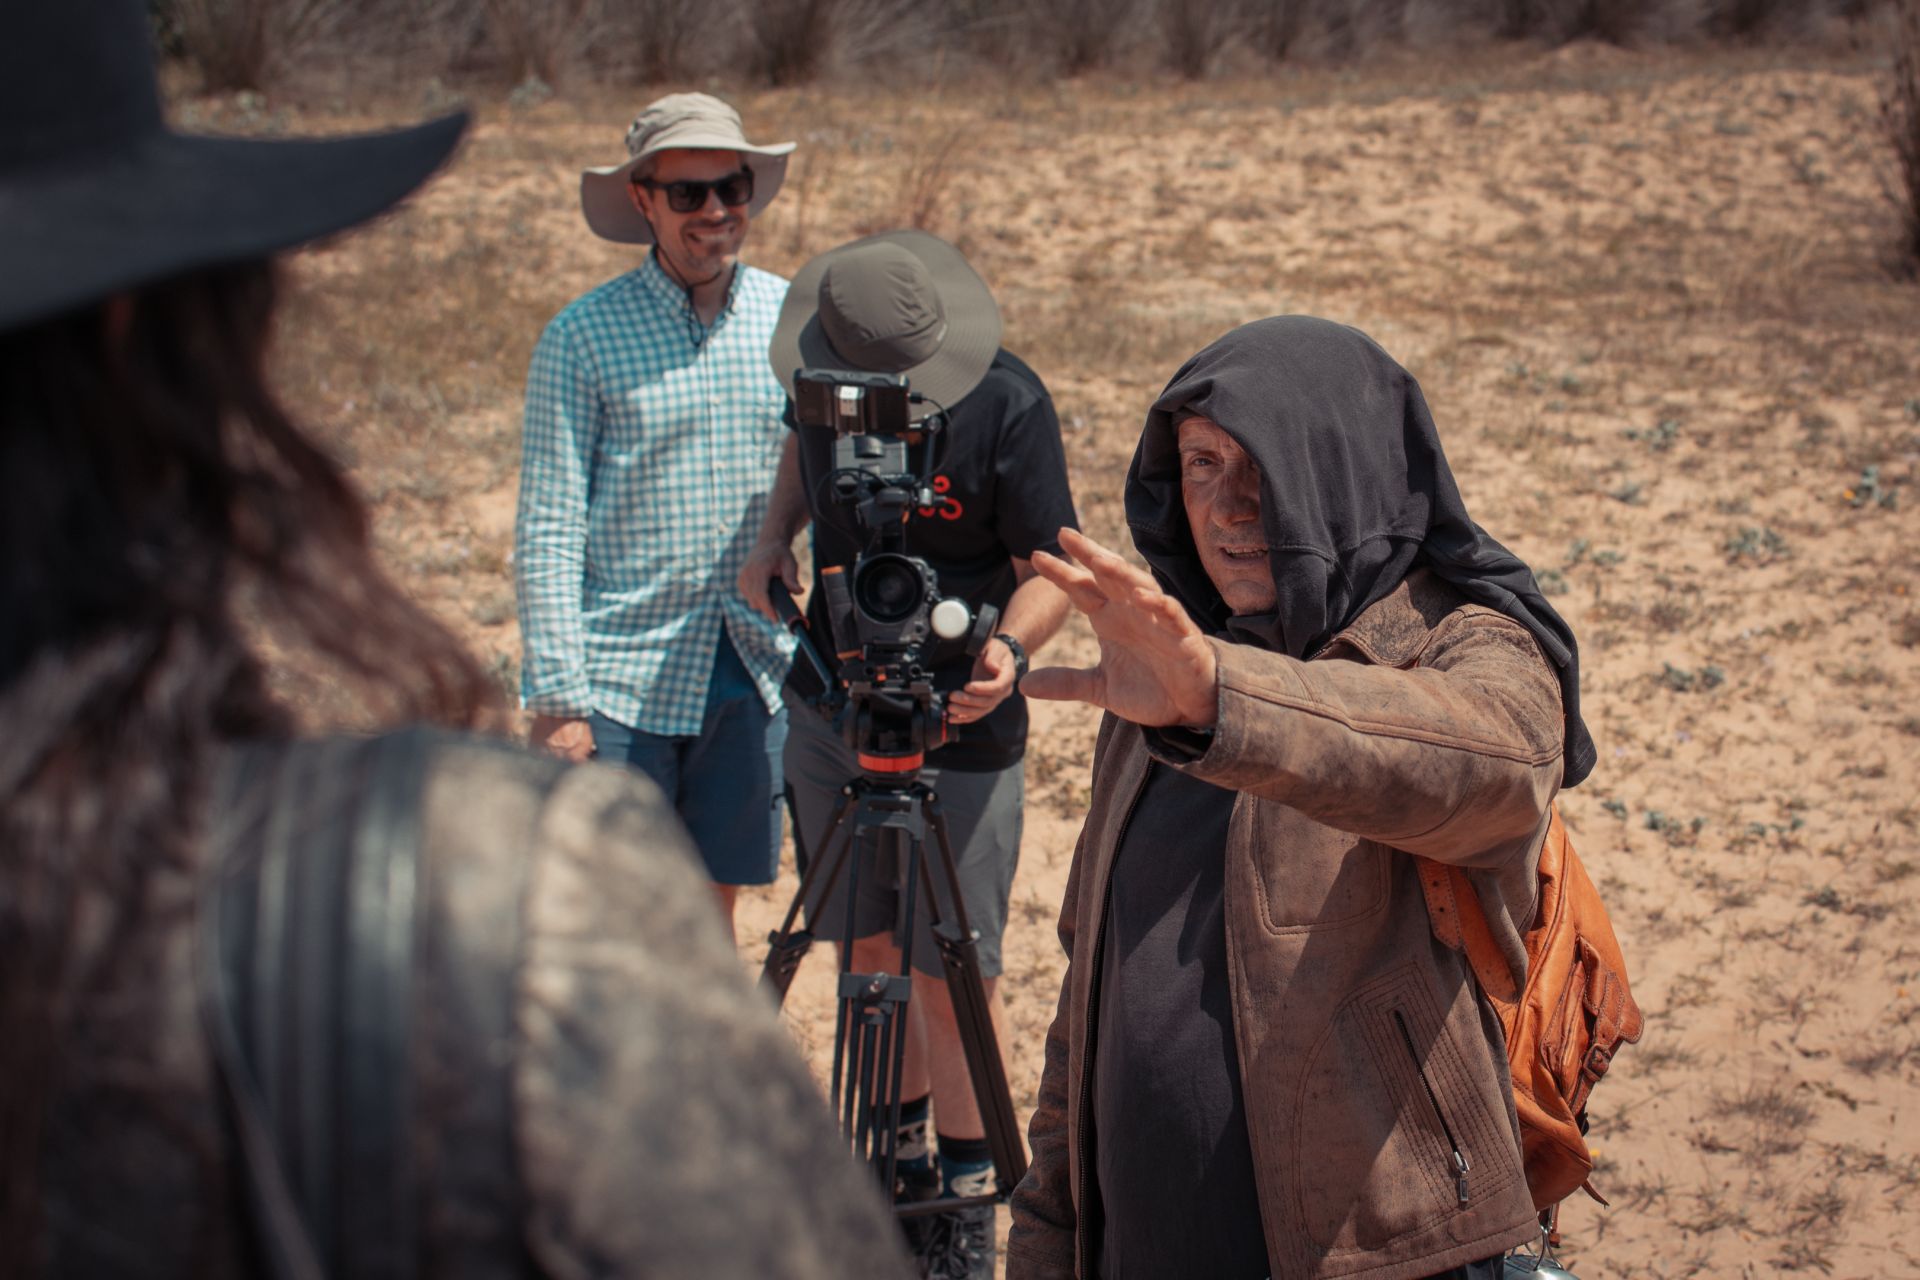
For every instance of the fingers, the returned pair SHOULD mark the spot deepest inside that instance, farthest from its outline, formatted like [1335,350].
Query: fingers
[753,585]
[762,567]
[1063,684]
[1082,592]
[1167,612]
[757,598]
[982,695]
[1115,578]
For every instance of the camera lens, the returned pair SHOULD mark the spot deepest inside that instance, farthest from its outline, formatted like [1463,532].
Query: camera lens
[888,588]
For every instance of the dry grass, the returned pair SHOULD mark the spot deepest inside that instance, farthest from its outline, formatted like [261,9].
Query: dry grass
[1646,295]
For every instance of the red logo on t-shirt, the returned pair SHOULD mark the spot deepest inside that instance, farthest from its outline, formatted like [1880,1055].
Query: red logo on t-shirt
[949,508]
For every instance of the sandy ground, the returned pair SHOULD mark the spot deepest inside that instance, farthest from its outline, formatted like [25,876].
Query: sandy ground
[1646,299]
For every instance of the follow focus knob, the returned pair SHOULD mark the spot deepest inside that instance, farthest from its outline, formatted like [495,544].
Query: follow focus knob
[950,619]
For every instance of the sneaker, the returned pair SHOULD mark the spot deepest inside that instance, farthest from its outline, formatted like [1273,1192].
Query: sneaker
[911,1186]
[962,1246]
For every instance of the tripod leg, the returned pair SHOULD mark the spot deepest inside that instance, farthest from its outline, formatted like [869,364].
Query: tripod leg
[786,946]
[960,958]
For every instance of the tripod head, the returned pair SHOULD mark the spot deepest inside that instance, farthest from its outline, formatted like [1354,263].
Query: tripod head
[879,696]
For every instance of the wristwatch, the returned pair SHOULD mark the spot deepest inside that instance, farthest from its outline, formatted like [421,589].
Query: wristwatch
[1019,655]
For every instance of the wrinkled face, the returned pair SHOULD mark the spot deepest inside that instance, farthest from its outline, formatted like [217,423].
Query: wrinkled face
[1221,488]
[701,245]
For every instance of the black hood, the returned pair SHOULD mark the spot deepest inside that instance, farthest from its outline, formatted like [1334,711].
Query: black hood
[1355,494]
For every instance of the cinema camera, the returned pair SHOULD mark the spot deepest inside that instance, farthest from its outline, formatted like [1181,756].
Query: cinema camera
[885,612]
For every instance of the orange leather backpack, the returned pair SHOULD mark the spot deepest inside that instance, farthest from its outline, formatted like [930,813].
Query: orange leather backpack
[1564,1026]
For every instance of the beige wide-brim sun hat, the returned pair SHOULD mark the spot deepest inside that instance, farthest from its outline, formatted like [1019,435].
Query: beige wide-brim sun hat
[677,122]
[897,302]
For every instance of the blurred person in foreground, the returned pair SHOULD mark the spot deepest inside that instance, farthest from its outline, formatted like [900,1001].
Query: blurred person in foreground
[270,1005]
[651,435]
[906,302]
[1263,1062]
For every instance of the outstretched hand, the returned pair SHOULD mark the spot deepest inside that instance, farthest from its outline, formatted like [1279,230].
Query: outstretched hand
[1156,668]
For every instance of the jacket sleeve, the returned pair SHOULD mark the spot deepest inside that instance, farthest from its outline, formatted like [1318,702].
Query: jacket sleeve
[666,1125]
[1447,759]
[1040,1243]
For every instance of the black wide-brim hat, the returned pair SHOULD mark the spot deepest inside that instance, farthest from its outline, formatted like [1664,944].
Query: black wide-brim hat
[897,302]
[97,195]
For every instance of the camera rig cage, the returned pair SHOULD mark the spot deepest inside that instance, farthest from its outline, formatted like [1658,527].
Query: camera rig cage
[885,612]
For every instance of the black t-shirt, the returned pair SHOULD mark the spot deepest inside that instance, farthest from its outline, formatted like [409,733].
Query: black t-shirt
[1002,486]
[1171,1157]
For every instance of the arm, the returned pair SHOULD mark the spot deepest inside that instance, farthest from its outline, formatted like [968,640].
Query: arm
[1033,613]
[1445,760]
[550,538]
[772,554]
[1032,502]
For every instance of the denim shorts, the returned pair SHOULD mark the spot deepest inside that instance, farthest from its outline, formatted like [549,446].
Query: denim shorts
[725,783]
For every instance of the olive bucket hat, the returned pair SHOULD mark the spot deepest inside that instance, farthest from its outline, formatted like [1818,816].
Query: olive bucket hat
[98,195]
[677,122]
[897,302]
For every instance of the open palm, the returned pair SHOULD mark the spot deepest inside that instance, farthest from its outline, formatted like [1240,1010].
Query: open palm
[1156,668]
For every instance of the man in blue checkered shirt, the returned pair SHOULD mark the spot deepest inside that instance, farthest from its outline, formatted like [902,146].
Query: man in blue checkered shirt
[652,434]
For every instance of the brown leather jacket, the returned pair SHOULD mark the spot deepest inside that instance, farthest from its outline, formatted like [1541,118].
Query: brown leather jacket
[601,1092]
[1377,1098]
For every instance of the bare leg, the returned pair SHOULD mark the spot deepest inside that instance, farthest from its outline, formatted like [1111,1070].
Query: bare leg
[728,894]
[877,954]
[956,1110]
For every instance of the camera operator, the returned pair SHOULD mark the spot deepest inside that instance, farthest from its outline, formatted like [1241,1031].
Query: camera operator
[906,302]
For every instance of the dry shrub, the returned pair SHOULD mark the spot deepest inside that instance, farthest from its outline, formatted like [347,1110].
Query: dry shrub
[652,41]
[244,44]
[796,41]
[535,39]
[1563,21]
[1193,32]
[791,39]
[1082,35]
[1275,26]
[1900,116]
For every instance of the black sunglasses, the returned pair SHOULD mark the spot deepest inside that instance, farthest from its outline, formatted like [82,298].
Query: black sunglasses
[688,196]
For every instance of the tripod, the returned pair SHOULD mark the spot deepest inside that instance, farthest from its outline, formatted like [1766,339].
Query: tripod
[870,1031]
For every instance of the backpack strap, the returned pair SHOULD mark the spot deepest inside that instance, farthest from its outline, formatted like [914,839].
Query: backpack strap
[1460,922]
[307,939]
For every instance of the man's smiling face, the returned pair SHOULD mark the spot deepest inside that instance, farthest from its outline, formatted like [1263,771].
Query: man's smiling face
[1221,488]
[701,245]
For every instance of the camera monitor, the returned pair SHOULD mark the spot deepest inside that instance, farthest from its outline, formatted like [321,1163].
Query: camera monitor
[851,402]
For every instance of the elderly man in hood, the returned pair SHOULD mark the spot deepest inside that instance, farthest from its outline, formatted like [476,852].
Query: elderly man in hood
[1263,1062]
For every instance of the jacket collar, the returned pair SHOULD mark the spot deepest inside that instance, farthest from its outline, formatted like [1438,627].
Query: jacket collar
[1394,629]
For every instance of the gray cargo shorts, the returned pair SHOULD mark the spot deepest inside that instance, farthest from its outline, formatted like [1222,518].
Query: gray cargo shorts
[983,813]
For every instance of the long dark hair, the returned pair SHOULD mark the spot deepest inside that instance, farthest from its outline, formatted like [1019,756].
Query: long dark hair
[159,514]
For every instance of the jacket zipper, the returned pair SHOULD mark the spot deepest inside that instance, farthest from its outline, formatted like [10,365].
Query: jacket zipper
[1460,1165]
[1082,1233]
